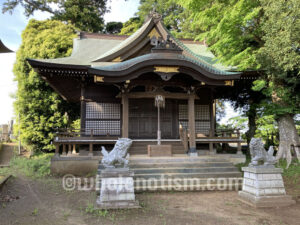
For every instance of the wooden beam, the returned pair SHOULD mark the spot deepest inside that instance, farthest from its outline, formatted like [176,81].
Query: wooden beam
[125,115]
[169,95]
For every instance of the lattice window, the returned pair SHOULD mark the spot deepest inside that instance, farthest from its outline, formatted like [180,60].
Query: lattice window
[95,110]
[183,112]
[202,127]
[107,127]
[202,118]
[103,118]
[202,112]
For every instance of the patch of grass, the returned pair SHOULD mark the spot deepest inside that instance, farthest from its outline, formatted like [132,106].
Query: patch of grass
[5,171]
[90,209]
[293,172]
[35,212]
[245,164]
[36,166]
[66,214]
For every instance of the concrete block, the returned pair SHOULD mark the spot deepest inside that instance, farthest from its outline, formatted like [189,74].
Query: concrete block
[117,191]
[260,176]
[264,188]
[265,201]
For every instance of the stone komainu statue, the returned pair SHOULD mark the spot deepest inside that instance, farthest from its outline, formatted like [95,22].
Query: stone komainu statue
[259,156]
[118,154]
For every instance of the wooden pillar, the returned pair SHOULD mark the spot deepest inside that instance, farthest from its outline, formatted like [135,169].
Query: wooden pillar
[82,110]
[192,132]
[90,150]
[70,149]
[56,150]
[64,150]
[239,146]
[212,124]
[74,149]
[125,115]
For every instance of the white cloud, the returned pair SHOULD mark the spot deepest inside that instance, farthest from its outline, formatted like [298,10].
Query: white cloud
[229,113]
[10,34]
[7,86]
[121,10]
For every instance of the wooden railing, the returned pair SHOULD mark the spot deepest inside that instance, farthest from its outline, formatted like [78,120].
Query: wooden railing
[67,132]
[69,138]
[231,133]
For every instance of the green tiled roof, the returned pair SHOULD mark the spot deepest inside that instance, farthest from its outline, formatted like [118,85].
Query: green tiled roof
[128,63]
[90,51]
[202,56]
[85,51]
[131,39]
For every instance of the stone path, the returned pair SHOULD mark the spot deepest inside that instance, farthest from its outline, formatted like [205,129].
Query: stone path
[34,202]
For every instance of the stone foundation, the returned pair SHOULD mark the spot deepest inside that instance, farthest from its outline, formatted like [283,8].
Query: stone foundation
[264,187]
[78,166]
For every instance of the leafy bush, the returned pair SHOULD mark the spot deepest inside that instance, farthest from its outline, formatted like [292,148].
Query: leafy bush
[42,110]
[37,166]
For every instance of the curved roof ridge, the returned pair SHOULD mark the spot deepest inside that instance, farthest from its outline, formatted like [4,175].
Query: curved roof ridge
[126,42]
[128,63]
[198,57]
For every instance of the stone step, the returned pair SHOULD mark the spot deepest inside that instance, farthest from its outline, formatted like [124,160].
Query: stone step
[136,142]
[189,175]
[187,184]
[183,170]
[210,187]
[191,181]
[181,165]
[184,159]
[134,148]
[145,152]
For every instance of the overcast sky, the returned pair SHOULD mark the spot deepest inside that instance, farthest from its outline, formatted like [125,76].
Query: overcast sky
[11,27]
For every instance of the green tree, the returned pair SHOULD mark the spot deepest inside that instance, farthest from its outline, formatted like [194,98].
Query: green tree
[113,27]
[267,129]
[41,109]
[131,26]
[175,18]
[258,34]
[86,15]
[280,57]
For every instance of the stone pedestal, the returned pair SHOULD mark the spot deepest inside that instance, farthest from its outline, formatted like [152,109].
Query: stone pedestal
[117,189]
[159,150]
[263,187]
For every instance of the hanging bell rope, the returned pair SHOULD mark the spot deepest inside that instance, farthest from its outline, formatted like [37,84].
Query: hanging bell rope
[159,101]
